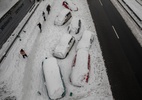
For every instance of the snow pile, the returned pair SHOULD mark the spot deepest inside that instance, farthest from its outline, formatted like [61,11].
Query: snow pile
[53,78]
[80,70]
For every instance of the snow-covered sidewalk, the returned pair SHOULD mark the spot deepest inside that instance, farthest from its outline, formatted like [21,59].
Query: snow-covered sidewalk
[23,77]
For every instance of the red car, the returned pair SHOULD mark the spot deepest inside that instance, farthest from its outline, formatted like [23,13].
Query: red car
[70,5]
[80,68]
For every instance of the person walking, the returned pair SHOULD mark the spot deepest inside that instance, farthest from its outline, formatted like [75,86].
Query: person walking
[39,25]
[48,8]
[43,14]
[22,52]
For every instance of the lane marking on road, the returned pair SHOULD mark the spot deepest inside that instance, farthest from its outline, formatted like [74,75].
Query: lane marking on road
[115,32]
[101,2]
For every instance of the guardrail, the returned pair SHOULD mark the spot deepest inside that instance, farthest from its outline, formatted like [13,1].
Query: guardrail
[130,14]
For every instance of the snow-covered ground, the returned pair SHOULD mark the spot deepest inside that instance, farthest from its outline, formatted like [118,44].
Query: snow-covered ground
[23,77]
[5,5]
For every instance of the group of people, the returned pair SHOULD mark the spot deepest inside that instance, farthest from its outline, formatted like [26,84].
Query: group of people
[48,8]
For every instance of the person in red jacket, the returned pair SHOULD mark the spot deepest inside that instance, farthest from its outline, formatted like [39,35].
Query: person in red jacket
[22,52]
[65,4]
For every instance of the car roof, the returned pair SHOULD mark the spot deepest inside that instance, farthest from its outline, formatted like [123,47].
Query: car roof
[81,67]
[61,47]
[53,78]
[65,38]
[62,14]
[87,34]
[82,58]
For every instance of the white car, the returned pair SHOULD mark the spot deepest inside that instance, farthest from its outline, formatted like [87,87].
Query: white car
[64,46]
[62,17]
[70,5]
[53,79]
[74,26]
[80,69]
[86,40]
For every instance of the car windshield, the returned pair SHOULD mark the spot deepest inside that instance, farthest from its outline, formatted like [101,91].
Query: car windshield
[62,14]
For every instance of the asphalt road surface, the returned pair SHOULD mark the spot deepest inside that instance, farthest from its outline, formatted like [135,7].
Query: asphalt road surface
[12,18]
[121,51]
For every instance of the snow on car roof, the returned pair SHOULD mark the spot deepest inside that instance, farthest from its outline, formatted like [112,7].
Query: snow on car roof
[85,40]
[71,5]
[62,14]
[53,79]
[81,67]
[74,22]
[63,42]
[86,35]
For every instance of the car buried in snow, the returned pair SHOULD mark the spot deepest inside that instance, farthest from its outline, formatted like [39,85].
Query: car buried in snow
[64,46]
[86,40]
[74,26]
[63,17]
[80,69]
[53,80]
[70,5]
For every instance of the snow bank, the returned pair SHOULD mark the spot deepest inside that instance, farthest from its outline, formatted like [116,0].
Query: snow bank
[53,78]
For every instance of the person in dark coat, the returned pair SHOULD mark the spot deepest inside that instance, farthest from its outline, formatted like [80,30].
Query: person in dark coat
[22,52]
[43,14]
[48,8]
[39,25]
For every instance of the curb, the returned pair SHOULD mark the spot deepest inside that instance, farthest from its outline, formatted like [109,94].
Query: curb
[130,14]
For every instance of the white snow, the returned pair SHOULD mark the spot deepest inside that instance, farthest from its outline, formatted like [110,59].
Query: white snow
[71,5]
[84,43]
[54,82]
[60,18]
[74,26]
[63,45]
[23,77]
[80,70]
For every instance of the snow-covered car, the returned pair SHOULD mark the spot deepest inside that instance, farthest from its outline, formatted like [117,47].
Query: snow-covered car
[62,17]
[74,26]
[80,69]
[70,5]
[86,40]
[64,46]
[53,80]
